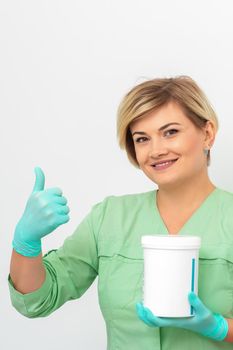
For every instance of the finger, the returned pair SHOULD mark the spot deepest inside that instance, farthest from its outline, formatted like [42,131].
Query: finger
[54,209]
[142,314]
[60,200]
[40,180]
[55,191]
[152,318]
[197,304]
[63,219]
[62,209]
[158,321]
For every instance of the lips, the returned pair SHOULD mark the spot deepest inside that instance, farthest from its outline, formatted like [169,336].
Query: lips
[164,163]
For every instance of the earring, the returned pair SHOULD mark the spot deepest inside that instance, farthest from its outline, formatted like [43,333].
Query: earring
[206,151]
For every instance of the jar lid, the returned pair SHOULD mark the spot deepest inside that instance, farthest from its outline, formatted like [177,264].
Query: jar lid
[170,242]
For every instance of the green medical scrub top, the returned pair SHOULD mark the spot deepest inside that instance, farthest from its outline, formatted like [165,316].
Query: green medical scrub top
[107,244]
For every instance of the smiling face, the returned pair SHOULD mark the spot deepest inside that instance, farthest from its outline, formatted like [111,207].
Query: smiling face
[168,139]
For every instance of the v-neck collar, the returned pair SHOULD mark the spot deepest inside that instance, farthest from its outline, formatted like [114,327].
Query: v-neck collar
[159,220]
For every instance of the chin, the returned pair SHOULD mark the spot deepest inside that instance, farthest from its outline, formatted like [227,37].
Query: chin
[166,182]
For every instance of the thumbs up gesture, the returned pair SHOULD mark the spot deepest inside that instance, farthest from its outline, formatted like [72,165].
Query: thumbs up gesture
[45,210]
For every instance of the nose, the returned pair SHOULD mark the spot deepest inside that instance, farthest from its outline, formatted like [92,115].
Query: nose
[157,149]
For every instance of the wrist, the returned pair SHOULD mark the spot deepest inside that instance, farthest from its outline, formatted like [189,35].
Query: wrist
[29,249]
[219,333]
[23,245]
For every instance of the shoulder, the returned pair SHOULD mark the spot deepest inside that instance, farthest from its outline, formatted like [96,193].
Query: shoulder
[108,217]
[225,197]
[115,205]
[224,202]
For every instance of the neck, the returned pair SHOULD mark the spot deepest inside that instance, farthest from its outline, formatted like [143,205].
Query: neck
[184,194]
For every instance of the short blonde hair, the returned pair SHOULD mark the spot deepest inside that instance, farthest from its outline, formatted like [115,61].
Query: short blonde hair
[151,95]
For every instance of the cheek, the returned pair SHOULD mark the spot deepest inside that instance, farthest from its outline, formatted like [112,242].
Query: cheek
[141,154]
[194,154]
[194,147]
[190,146]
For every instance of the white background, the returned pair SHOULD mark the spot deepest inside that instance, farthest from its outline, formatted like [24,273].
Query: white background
[64,67]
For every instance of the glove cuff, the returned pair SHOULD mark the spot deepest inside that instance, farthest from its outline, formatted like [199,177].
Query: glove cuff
[220,331]
[31,249]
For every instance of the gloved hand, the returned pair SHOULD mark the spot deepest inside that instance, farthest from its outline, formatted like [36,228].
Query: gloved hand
[205,322]
[44,212]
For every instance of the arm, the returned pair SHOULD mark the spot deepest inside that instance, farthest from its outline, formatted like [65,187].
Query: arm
[44,212]
[27,274]
[69,270]
[229,337]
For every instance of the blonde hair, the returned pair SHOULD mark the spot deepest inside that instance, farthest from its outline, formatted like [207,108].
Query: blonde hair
[151,95]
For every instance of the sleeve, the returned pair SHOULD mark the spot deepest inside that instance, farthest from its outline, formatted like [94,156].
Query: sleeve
[70,270]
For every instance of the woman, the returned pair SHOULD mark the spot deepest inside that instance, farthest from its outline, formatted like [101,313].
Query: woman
[167,127]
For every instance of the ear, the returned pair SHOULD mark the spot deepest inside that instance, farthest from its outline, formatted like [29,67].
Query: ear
[209,132]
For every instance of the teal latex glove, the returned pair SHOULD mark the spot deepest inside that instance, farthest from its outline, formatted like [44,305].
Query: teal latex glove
[205,322]
[44,212]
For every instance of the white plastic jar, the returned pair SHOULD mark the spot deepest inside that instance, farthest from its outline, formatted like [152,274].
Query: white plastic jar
[170,273]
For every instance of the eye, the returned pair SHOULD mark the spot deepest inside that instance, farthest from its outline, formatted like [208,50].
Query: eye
[138,140]
[170,132]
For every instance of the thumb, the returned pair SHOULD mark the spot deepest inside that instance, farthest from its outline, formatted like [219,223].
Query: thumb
[40,180]
[196,302]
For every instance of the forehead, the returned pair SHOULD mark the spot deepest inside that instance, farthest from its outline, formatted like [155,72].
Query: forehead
[171,112]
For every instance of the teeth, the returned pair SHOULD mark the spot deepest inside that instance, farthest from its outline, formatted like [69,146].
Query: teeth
[162,164]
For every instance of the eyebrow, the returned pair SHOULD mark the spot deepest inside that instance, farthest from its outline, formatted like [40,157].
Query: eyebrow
[160,129]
